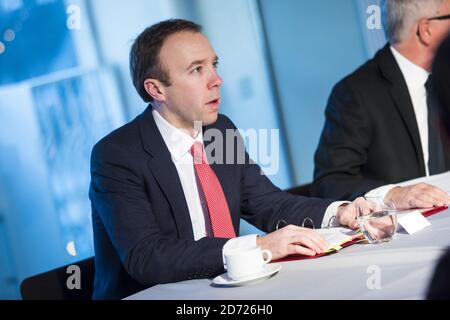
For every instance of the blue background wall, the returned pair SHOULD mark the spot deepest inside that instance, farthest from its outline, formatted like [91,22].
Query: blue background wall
[313,44]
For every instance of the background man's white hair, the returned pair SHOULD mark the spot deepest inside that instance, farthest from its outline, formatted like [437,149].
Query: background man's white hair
[399,16]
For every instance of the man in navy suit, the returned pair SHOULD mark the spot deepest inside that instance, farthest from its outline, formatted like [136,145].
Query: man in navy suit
[162,210]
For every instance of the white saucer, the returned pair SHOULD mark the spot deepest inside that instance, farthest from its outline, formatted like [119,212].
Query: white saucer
[269,270]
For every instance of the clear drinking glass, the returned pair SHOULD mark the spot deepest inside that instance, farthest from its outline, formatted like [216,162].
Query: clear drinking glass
[379,226]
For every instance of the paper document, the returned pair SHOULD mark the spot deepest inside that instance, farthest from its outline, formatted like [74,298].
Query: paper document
[440,180]
[336,237]
[412,222]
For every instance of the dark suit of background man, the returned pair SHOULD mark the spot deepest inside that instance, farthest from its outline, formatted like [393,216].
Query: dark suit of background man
[161,217]
[381,120]
[441,79]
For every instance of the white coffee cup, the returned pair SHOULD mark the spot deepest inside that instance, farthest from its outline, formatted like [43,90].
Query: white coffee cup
[245,262]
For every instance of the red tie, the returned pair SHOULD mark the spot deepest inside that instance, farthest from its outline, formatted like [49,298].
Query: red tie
[219,212]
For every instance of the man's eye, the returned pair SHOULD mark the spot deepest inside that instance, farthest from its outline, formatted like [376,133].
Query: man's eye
[199,69]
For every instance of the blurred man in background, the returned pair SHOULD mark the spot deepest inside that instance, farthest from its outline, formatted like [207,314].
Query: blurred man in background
[440,285]
[381,125]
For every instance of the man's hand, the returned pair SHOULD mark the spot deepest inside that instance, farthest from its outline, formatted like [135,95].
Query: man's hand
[417,196]
[293,240]
[349,212]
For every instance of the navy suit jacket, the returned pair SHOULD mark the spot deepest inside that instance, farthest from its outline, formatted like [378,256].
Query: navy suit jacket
[143,234]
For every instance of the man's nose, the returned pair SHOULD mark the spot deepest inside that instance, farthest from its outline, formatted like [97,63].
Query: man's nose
[215,81]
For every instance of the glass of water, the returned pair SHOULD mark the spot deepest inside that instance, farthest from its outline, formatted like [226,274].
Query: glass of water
[379,226]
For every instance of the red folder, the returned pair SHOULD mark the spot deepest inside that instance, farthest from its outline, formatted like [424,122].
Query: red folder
[302,257]
[433,211]
[426,214]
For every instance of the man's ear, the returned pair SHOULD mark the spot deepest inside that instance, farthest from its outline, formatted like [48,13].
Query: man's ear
[155,89]
[424,32]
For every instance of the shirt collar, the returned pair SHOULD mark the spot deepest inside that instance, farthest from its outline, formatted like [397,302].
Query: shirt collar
[415,76]
[178,142]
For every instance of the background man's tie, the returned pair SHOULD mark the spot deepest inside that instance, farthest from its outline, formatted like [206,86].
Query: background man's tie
[216,202]
[436,162]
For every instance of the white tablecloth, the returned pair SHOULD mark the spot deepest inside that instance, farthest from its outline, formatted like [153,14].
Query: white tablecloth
[404,266]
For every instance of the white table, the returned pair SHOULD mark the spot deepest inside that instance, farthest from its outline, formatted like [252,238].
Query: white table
[405,267]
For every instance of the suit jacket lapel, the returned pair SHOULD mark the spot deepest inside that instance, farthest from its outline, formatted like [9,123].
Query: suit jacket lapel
[400,94]
[165,172]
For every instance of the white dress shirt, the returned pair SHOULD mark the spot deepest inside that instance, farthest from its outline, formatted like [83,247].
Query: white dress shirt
[415,78]
[179,144]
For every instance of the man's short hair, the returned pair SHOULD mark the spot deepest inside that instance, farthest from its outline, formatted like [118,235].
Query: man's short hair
[399,16]
[144,55]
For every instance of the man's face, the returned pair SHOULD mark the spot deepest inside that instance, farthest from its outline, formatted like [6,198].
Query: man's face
[440,28]
[194,94]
